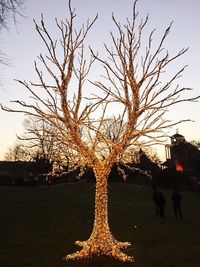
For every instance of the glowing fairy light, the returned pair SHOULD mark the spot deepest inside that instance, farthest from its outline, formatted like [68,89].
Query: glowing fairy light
[101,241]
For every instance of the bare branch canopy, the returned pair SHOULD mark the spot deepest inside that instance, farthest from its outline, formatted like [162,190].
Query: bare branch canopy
[132,99]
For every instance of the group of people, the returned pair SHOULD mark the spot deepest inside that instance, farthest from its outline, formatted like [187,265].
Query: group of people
[159,200]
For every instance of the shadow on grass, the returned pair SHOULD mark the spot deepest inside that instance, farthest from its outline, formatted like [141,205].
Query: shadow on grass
[97,261]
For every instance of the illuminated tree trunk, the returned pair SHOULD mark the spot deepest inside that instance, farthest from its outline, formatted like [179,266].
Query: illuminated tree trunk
[101,241]
[101,231]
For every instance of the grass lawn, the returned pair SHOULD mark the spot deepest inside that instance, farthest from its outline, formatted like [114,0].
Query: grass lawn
[38,226]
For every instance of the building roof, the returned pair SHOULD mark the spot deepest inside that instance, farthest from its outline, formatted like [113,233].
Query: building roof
[177,135]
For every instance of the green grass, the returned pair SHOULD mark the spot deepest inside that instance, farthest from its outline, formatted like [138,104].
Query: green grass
[38,226]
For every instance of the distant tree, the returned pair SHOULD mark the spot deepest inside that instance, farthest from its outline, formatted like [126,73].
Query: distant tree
[196,143]
[8,156]
[47,142]
[18,153]
[40,137]
[10,9]
[152,155]
[133,86]
[113,128]
[147,163]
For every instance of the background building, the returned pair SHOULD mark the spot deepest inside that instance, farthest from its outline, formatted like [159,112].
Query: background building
[182,155]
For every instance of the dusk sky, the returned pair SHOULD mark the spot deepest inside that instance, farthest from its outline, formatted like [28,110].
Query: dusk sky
[22,45]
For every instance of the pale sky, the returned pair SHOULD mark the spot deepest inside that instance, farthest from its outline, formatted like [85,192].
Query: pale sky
[23,45]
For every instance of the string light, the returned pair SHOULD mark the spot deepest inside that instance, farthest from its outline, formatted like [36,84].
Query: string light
[101,241]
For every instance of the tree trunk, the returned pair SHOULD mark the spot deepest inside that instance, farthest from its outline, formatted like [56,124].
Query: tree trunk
[101,203]
[101,241]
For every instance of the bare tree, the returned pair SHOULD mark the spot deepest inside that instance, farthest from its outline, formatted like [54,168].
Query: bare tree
[152,155]
[47,142]
[10,8]
[39,136]
[43,140]
[18,153]
[133,85]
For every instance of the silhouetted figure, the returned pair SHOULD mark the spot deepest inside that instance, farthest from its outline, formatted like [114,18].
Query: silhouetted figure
[161,203]
[176,199]
[156,201]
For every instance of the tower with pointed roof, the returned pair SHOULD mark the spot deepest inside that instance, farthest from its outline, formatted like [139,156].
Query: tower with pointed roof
[181,154]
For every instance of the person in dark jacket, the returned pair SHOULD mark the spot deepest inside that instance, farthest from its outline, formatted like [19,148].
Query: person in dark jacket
[176,200]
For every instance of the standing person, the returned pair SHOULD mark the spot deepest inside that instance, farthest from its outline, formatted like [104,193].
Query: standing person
[176,199]
[156,201]
[161,203]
